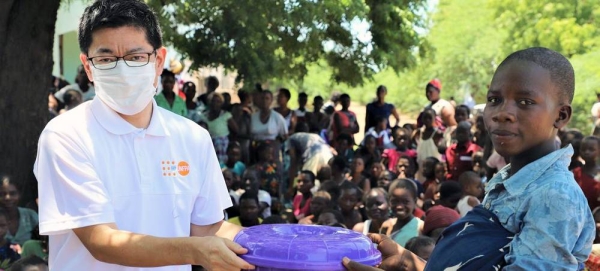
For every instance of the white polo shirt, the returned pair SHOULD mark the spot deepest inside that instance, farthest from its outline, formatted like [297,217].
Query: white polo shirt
[93,167]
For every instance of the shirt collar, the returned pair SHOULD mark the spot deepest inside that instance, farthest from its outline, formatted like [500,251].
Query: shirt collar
[115,124]
[517,183]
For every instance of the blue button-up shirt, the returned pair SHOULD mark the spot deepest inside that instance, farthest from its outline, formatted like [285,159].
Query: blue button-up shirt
[546,210]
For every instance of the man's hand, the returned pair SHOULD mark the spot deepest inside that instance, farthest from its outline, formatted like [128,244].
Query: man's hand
[220,254]
[394,257]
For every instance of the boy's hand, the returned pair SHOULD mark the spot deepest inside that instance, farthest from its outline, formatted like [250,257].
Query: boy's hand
[392,256]
[220,254]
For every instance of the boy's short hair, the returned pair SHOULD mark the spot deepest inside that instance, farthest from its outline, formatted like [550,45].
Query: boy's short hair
[351,186]
[167,73]
[337,214]
[464,107]
[466,178]
[560,69]
[250,194]
[447,189]
[113,14]
[414,244]
[302,95]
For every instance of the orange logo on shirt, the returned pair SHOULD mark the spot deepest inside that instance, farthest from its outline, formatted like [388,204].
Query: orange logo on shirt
[183,168]
[170,169]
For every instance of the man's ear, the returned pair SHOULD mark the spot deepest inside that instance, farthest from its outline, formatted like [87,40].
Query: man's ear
[86,66]
[564,116]
[161,56]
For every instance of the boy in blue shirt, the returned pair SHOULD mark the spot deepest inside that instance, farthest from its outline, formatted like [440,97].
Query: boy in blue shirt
[534,216]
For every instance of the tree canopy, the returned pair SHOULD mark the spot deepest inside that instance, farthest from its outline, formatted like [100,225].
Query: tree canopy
[261,40]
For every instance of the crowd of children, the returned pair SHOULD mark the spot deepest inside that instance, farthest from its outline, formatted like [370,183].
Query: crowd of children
[408,182]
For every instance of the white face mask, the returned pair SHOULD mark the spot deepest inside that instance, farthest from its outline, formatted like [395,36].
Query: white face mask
[127,90]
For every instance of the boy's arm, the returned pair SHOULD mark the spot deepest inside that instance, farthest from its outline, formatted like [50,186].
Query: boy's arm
[557,230]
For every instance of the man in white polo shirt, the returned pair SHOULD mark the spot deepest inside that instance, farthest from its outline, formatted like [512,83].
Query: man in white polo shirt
[123,183]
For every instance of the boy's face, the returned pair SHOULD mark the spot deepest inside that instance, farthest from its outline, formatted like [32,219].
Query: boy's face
[302,101]
[429,169]
[523,111]
[248,209]
[402,203]
[440,171]
[342,146]
[317,104]
[304,183]
[382,125]
[404,168]
[460,115]
[475,188]
[377,206]
[358,165]
[384,180]
[10,196]
[348,200]
[463,135]
[228,176]
[251,180]
[317,205]
[234,155]
[432,94]
[401,139]
[589,150]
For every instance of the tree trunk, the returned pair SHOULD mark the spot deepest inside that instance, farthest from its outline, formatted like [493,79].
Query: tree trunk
[26,38]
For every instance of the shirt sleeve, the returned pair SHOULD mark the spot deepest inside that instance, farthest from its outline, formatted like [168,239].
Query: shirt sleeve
[70,193]
[213,197]
[556,233]
[281,125]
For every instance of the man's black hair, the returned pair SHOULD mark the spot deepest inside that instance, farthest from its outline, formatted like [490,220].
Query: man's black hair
[381,88]
[560,69]
[318,97]
[118,13]
[303,95]
[351,186]
[344,96]
[285,92]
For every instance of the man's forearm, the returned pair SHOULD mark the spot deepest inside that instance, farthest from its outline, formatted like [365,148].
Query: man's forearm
[130,249]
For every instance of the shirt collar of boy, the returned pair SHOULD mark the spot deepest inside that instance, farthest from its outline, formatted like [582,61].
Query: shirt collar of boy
[113,123]
[517,183]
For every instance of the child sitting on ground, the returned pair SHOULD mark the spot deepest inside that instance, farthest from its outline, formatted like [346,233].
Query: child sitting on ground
[381,133]
[401,141]
[234,154]
[350,196]
[403,200]
[472,189]
[301,203]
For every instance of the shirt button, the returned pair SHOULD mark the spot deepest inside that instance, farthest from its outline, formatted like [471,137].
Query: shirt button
[487,205]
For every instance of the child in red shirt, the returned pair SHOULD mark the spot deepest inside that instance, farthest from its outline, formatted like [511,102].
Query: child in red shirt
[586,175]
[459,157]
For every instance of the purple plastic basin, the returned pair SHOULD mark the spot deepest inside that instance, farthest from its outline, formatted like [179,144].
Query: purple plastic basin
[286,247]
